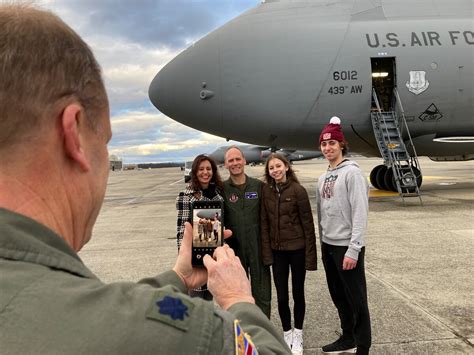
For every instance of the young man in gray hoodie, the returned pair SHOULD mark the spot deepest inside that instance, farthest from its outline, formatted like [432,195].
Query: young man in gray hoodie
[342,200]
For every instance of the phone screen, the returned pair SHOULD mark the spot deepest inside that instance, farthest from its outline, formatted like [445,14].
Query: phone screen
[207,220]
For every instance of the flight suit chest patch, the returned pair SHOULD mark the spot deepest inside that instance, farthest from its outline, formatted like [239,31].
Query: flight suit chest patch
[243,342]
[251,195]
[233,198]
[170,309]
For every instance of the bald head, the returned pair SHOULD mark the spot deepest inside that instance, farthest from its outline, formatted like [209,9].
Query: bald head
[233,149]
[235,162]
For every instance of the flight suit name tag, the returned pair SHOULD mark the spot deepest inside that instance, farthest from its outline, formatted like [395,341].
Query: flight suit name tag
[251,195]
[171,309]
[243,343]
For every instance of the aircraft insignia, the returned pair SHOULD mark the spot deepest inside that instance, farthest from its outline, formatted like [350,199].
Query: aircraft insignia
[431,114]
[418,82]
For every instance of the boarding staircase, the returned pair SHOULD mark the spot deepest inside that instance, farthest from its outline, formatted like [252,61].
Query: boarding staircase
[403,170]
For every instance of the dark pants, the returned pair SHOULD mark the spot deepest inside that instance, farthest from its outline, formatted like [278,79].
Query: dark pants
[349,293]
[283,261]
[259,274]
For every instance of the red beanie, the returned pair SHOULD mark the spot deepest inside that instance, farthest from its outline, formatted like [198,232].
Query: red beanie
[332,131]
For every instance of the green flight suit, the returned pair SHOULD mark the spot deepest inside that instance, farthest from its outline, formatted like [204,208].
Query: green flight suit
[51,303]
[242,216]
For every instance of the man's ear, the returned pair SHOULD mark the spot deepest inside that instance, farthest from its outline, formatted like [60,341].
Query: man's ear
[72,121]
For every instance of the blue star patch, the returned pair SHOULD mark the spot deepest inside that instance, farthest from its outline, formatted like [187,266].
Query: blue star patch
[173,307]
[170,307]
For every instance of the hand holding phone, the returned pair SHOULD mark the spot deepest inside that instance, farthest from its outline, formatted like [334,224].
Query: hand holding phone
[227,279]
[207,220]
[192,277]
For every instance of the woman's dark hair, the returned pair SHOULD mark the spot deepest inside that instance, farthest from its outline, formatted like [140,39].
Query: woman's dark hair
[216,178]
[290,174]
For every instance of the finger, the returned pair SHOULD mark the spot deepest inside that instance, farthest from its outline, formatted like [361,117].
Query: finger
[230,252]
[208,261]
[187,240]
[237,259]
[221,252]
[227,233]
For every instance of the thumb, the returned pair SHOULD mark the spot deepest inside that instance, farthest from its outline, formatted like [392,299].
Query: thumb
[187,241]
[227,233]
[208,261]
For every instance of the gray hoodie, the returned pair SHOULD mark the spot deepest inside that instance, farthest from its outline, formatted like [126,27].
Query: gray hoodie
[343,206]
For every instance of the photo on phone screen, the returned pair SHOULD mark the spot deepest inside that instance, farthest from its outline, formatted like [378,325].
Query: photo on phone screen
[207,228]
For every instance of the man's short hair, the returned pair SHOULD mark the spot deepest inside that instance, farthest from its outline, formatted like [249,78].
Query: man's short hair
[43,62]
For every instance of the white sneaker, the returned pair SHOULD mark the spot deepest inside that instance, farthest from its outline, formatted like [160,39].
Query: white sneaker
[297,348]
[288,337]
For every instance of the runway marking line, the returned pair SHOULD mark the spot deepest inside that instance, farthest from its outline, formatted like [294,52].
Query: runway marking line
[180,180]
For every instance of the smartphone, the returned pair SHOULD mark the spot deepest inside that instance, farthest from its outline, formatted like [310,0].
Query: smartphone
[207,218]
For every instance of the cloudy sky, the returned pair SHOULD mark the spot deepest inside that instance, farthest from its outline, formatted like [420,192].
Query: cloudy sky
[133,40]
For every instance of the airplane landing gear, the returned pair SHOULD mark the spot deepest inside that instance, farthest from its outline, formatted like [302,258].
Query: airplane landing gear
[373,176]
[382,178]
[407,177]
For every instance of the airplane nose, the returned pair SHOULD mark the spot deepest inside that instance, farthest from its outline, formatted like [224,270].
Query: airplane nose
[187,88]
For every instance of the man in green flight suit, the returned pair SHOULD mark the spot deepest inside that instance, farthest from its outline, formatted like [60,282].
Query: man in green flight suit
[54,131]
[242,216]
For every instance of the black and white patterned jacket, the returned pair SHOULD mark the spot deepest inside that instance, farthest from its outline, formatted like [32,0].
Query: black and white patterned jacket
[183,206]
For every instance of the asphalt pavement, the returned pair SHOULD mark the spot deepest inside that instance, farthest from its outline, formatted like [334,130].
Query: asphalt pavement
[419,261]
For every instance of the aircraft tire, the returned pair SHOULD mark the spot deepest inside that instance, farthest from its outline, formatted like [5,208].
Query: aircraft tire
[373,176]
[389,180]
[419,179]
[380,178]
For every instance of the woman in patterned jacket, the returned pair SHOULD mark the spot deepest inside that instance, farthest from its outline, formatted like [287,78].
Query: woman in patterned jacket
[205,185]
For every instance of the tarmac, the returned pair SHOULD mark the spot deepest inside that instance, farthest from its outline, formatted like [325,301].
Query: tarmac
[419,258]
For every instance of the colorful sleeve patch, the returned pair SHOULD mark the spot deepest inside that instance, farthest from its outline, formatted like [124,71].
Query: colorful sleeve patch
[251,195]
[171,309]
[243,343]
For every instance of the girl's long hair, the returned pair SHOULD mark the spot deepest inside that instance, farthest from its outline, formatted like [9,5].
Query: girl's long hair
[290,174]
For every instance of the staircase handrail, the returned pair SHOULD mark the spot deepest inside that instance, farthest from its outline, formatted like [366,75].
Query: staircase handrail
[399,102]
[379,111]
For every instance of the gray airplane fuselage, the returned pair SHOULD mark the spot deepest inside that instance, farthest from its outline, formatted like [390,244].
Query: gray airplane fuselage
[276,74]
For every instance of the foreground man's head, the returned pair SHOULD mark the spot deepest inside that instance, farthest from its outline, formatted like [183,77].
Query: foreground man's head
[54,124]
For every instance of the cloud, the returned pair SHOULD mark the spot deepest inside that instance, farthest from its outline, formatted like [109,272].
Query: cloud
[144,136]
[169,23]
[132,41]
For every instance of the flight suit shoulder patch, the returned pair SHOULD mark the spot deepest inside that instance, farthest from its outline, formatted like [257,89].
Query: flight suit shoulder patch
[243,342]
[171,309]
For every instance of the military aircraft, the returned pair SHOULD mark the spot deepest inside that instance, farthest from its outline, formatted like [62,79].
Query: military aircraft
[274,76]
[255,154]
